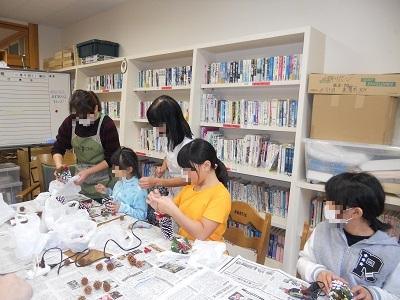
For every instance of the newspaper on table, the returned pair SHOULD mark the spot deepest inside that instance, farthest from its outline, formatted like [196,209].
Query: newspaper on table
[149,281]
[273,282]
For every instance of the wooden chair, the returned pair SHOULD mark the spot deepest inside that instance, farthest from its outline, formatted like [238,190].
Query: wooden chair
[305,235]
[43,163]
[245,214]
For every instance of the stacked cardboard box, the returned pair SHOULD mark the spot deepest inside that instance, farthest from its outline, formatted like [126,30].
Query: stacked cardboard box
[362,111]
[355,108]
[61,59]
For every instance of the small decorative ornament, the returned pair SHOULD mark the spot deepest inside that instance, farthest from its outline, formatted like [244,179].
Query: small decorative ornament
[99,267]
[166,225]
[64,176]
[180,245]
[82,298]
[340,291]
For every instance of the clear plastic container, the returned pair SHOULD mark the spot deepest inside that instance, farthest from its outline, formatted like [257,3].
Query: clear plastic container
[9,173]
[325,159]
[10,191]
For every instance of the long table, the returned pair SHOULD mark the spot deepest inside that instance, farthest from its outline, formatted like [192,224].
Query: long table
[157,272]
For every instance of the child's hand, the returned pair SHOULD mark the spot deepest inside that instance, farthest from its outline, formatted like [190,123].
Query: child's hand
[160,203]
[147,182]
[101,188]
[113,207]
[326,277]
[361,293]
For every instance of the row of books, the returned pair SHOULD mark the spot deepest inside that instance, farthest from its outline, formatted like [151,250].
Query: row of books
[274,68]
[262,197]
[144,106]
[276,242]
[273,112]
[152,141]
[251,150]
[276,245]
[112,109]
[176,76]
[105,82]
[392,218]
[316,210]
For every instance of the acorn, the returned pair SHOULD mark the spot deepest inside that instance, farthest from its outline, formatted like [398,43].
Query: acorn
[84,281]
[106,286]
[97,285]
[88,290]
[110,266]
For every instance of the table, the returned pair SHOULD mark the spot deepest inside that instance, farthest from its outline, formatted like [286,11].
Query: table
[160,274]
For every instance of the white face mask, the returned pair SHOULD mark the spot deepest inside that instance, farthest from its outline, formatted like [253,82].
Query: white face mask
[85,122]
[330,215]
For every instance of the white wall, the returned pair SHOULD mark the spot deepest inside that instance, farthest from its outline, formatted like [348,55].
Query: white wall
[362,35]
[49,42]
[49,39]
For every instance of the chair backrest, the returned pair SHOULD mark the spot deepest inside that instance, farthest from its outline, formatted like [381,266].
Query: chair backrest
[305,235]
[245,214]
[44,166]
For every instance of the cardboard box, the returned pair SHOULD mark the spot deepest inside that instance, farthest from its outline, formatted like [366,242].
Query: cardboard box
[354,84]
[354,118]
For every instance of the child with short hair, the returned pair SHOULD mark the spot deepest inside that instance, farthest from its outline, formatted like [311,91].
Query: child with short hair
[128,197]
[352,245]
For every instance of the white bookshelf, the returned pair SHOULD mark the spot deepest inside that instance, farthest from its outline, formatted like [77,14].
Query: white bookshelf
[303,40]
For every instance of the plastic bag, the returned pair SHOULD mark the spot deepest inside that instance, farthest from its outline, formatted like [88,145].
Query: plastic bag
[69,189]
[112,231]
[206,253]
[54,209]
[75,230]
[6,212]
[29,241]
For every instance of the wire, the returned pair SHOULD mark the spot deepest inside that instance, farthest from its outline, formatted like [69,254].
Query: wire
[82,254]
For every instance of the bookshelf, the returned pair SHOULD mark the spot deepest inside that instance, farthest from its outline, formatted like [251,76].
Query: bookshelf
[305,40]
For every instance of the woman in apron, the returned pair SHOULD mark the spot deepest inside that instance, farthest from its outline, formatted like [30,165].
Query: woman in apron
[93,138]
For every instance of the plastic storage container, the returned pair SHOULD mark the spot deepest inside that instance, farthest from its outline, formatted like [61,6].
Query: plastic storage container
[10,191]
[9,173]
[94,47]
[325,159]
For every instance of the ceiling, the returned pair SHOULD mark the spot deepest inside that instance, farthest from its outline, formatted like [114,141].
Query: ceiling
[58,13]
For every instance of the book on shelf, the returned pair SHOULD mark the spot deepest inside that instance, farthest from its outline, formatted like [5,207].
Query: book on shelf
[244,112]
[150,140]
[105,82]
[393,218]
[316,210]
[143,106]
[112,109]
[252,151]
[276,68]
[276,242]
[175,76]
[262,197]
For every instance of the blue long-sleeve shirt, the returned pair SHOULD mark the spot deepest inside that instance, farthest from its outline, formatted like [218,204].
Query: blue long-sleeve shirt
[131,197]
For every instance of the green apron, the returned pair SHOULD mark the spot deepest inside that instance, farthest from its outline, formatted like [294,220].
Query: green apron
[89,152]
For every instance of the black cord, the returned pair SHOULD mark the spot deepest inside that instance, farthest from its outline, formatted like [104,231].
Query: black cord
[82,254]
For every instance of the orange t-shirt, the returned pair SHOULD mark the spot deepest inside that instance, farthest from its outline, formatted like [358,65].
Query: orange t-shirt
[213,203]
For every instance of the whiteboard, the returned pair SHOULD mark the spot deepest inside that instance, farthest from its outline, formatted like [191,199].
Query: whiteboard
[32,106]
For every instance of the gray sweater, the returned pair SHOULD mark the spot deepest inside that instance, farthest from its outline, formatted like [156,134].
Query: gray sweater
[373,263]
